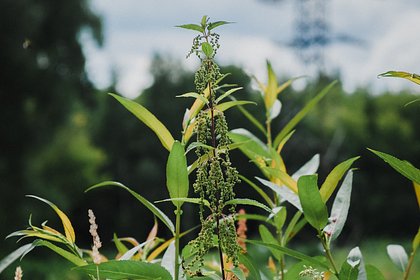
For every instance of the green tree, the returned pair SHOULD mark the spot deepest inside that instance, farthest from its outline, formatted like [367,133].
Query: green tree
[43,86]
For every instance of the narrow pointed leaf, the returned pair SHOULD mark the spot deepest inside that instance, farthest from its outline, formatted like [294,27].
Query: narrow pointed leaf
[215,24]
[254,272]
[308,168]
[252,119]
[68,228]
[118,270]
[65,254]
[247,201]
[417,191]
[119,245]
[156,211]
[268,238]
[177,173]
[291,227]
[283,192]
[229,104]
[403,167]
[400,74]
[191,26]
[227,93]
[293,253]
[16,254]
[148,119]
[284,178]
[340,208]
[195,95]
[258,190]
[302,113]
[398,256]
[334,177]
[130,253]
[313,207]
[187,199]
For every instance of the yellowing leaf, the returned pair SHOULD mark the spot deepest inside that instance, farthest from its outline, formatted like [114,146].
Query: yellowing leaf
[68,228]
[400,74]
[417,190]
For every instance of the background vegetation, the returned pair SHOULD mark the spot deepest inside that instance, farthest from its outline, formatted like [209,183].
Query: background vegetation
[59,134]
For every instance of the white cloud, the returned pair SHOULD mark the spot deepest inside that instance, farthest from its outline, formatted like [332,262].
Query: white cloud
[137,29]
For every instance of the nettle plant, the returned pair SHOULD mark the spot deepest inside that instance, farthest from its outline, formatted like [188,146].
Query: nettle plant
[216,178]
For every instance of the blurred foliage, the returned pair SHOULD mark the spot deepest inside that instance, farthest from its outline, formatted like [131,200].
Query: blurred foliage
[46,101]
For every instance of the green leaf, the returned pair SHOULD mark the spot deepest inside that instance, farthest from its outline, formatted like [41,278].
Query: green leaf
[204,20]
[194,145]
[403,167]
[280,217]
[258,190]
[148,119]
[65,254]
[195,95]
[398,256]
[373,273]
[177,173]
[355,258]
[334,177]
[349,272]
[252,119]
[313,207]
[255,217]
[285,178]
[238,273]
[247,201]
[268,238]
[227,93]
[295,254]
[283,192]
[122,249]
[253,148]
[400,74]
[156,211]
[302,113]
[191,26]
[127,270]
[290,229]
[68,228]
[340,208]
[207,49]
[229,104]
[215,24]
[16,254]
[254,272]
[188,200]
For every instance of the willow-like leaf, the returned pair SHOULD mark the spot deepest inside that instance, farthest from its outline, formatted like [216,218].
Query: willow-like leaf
[302,113]
[156,211]
[68,228]
[148,119]
[400,74]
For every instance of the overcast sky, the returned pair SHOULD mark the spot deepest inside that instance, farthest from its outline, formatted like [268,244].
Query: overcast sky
[136,29]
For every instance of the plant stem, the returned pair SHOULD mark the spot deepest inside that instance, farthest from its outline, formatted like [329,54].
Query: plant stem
[410,263]
[328,253]
[222,265]
[178,213]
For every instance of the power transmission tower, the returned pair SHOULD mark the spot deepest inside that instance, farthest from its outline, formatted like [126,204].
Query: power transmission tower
[312,31]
